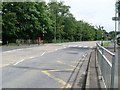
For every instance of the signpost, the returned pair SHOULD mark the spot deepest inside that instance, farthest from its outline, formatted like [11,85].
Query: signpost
[39,40]
[116,18]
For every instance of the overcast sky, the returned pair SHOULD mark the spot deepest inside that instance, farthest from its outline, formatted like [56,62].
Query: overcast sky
[96,12]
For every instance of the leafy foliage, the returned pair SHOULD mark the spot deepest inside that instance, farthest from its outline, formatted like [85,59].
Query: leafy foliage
[29,20]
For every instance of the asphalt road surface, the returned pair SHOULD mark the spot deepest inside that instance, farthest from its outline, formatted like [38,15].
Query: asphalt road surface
[48,66]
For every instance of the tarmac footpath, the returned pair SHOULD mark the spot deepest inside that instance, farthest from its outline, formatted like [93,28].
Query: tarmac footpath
[93,79]
[90,79]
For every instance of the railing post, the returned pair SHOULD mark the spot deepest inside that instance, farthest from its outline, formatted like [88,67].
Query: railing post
[113,72]
[102,51]
[99,57]
[102,60]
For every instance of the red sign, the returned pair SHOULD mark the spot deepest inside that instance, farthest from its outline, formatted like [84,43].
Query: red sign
[39,40]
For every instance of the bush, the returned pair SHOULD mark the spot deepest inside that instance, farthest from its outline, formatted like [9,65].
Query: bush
[118,40]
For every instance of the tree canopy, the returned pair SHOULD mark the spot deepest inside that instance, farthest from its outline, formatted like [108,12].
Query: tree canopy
[30,20]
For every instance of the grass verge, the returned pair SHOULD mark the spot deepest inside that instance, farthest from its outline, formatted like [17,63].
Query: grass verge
[107,43]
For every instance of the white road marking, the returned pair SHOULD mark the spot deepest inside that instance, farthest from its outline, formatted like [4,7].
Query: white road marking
[27,58]
[79,59]
[42,53]
[8,51]
[12,50]
[80,46]
[64,47]
[19,62]
[18,49]
[31,57]
[86,54]
[83,55]
[85,46]
[91,47]
[72,45]
[3,65]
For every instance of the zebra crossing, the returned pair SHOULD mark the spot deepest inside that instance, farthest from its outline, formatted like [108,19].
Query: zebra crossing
[79,46]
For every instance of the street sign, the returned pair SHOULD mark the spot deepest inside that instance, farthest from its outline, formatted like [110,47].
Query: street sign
[118,35]
[116,18]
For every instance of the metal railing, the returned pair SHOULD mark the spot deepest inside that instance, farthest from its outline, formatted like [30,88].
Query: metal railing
[107,65]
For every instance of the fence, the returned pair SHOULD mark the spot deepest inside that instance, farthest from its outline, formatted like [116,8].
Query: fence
[107,65]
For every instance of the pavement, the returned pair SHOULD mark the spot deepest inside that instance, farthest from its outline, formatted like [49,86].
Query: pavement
[93,80]
[14,47]
[119,67]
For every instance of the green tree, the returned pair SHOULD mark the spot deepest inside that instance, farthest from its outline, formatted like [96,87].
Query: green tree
[28,20]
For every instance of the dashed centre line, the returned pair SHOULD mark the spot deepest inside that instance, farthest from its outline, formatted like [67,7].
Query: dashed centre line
[27,58]
[19,62]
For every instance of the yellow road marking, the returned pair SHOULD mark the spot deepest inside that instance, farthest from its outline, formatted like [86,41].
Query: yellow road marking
[67,64]
[59,70]
[61,62]
[57,79]
[73,66]
[65,85]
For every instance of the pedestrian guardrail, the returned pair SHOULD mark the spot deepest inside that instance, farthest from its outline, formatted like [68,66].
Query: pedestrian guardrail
[106,65]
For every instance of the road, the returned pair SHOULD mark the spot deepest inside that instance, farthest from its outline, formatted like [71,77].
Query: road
[47,66]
